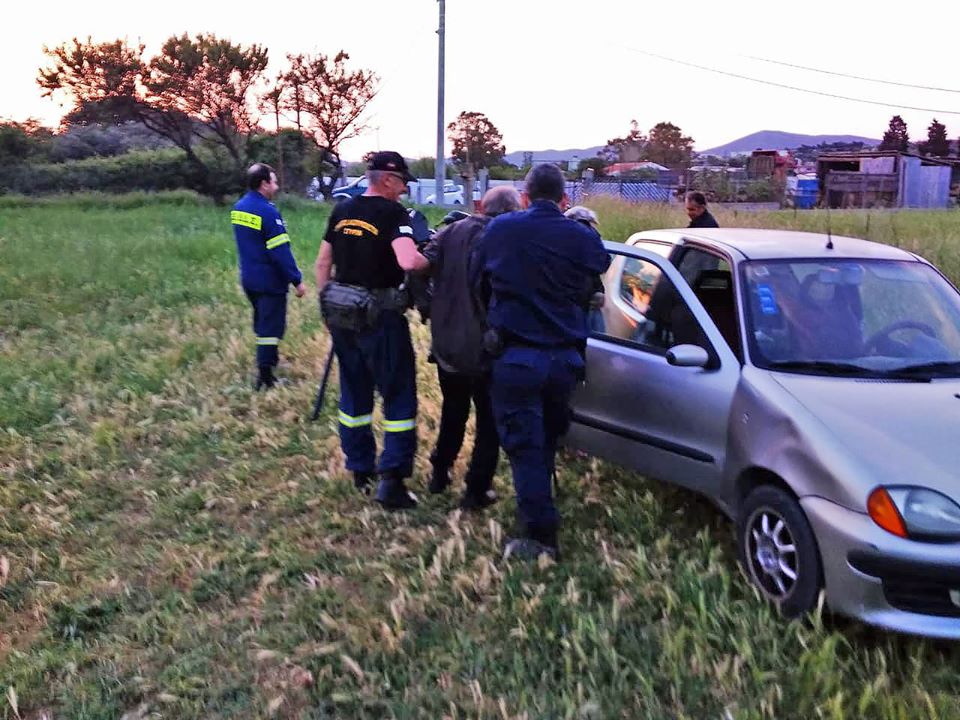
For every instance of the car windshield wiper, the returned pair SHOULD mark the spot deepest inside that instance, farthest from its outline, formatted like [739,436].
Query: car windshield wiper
[824,366]
[943,367]
[841,369]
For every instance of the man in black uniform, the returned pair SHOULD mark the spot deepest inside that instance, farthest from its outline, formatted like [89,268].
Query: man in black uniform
[370,242]
[697,211]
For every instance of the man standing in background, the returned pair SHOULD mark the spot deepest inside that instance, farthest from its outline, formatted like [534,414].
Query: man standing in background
[697,211]
[267,266]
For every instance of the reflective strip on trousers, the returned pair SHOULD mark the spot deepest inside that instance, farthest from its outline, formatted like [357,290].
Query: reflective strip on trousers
[399,425]
[352,421]
[268,341]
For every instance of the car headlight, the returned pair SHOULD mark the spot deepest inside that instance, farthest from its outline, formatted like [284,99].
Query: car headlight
[915,513]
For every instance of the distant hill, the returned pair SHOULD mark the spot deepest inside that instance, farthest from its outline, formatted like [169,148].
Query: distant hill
[516,158]
[777,140]
[765,139]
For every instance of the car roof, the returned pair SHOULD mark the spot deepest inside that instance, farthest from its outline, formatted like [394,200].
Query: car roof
[769,244]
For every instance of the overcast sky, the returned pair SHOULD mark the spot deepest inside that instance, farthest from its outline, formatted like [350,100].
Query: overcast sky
[559,74]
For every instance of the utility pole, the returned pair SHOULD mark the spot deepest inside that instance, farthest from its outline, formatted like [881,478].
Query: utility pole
[439,168]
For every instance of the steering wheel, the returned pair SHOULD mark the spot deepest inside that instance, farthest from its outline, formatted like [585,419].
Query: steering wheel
[872,343]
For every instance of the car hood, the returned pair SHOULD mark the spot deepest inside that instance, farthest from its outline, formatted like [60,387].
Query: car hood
[902,432]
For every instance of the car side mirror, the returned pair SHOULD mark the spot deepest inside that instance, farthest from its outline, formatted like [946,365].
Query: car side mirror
[687,356]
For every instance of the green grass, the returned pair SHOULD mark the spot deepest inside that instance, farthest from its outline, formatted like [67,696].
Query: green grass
[182,547]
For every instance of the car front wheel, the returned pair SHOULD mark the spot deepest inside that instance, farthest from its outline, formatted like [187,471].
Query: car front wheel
[779,551]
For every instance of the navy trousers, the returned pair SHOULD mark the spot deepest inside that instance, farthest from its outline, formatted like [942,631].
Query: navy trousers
[269,325]
[531,389]
[378,359]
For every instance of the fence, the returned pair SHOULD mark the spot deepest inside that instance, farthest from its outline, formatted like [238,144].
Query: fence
[578,190]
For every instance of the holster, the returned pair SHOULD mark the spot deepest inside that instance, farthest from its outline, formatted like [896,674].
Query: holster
[494,343]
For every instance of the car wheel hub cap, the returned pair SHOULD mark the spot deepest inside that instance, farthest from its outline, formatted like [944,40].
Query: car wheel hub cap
[772,554]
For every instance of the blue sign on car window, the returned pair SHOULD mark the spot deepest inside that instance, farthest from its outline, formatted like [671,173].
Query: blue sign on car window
[768,303]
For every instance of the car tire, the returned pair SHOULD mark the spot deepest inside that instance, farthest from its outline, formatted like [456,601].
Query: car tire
[776,542]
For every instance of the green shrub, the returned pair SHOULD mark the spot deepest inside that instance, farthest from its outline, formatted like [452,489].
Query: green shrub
[149,170]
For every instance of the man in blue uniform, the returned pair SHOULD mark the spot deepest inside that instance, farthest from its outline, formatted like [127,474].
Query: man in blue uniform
[536,264]
[370,243]
[267,265]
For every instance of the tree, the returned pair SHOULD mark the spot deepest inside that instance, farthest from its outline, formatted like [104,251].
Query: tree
[626,149]
[668,146]
[333,99]
[936,143]
[197,92]
[22,142]
[477,143]
[423,167]
[102,80]
[896,137]
[292,85]
[272,102]
[597,164]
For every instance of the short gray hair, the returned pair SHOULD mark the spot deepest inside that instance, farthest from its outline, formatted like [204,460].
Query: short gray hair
[499,200]
[582,214]
[546,182]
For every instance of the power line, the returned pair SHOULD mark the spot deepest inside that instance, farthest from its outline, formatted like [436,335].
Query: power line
[793,87]
[855,77]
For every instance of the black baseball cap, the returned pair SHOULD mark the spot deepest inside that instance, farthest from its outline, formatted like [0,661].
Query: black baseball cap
[390,161]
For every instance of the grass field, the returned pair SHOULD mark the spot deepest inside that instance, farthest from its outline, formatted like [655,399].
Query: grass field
[173,545]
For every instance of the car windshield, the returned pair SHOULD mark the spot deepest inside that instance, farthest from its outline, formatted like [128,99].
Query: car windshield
[864,318]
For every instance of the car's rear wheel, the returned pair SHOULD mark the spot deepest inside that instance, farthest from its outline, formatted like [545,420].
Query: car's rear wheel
[779,551]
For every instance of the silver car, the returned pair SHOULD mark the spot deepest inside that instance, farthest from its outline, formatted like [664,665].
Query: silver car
[810,387]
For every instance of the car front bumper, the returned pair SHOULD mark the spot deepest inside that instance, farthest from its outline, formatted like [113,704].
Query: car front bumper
[884,580]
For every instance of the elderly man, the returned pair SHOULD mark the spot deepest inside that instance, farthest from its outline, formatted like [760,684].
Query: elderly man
[458,323]
[537,264]
[697,211]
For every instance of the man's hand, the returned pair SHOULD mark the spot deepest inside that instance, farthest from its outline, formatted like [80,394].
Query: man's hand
[300,290]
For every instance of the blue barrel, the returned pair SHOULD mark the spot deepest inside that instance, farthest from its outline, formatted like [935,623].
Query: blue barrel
[806,196]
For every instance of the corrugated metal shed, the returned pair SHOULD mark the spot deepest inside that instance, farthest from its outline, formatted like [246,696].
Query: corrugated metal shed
[885,178]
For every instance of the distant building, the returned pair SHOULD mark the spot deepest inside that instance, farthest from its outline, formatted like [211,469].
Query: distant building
[764,164]
[883,178]
[625,168]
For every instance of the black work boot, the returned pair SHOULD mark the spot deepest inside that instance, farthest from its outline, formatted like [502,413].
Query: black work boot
[363,481]
[268,380]
[439,480]
[532,544]
[392,493]
[265,378]
[477,498]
